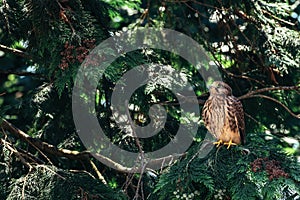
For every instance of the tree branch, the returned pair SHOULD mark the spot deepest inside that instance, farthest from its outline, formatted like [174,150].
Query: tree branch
[254,94]
[250,94]
[76,155]
[17,153]
[277,18]
[42,146]
[14,51]
[100,177]
[239,76]
[276,101]
[7,72]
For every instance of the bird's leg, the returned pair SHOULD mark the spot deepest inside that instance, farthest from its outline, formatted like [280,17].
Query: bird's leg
[230,143]
[218,143]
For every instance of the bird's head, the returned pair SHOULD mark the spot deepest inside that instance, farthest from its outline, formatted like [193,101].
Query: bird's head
[220,88]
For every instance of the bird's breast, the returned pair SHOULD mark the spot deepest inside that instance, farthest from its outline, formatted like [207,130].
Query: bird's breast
[215,115]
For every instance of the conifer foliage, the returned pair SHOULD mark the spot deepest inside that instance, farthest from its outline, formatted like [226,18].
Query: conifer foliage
[255,45]
[259,170]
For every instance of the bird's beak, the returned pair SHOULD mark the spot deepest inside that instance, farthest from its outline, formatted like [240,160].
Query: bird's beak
[212,88]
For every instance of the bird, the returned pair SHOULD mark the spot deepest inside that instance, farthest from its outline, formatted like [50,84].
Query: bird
[223,115]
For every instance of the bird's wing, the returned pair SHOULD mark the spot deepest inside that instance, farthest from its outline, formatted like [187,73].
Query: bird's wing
[205,112]
[240,120]
[235,114]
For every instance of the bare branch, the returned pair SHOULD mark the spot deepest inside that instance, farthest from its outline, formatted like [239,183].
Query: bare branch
[100,176]
[7,72]
[277,18]
[64,17]
[239,76]
[250,94]
[14,51]
[247,115]
[76,155]
[278,102]
[16,152]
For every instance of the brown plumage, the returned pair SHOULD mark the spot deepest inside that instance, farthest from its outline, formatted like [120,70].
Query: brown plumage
[223,115]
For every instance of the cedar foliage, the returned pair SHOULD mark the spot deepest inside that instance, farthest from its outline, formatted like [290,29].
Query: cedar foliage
[258,170]
[256,46]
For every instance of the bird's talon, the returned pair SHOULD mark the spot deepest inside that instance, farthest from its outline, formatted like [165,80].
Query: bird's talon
[218,143]
[230,143]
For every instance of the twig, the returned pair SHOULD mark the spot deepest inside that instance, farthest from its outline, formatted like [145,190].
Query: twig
[239,76]
[145,13]
[29,156]
[7,72]
[254,94]
[54,172]
[18,154]
[196,2]
[278,102]
[38,145]
[219,65]
[14,51]
[139,184]
[82,171]
[6,7]
[250,94]
[143,160]
[65,18]
[245,17]
[76,155]
[246,114]
[128,181]
[24,184]
[277,18]
[100,177]
[194,10]
[138,143]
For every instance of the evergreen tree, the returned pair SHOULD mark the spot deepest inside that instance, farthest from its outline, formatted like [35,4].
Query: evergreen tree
[256,48]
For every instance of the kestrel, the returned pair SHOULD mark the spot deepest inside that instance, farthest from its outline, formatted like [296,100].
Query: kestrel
[223,115]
